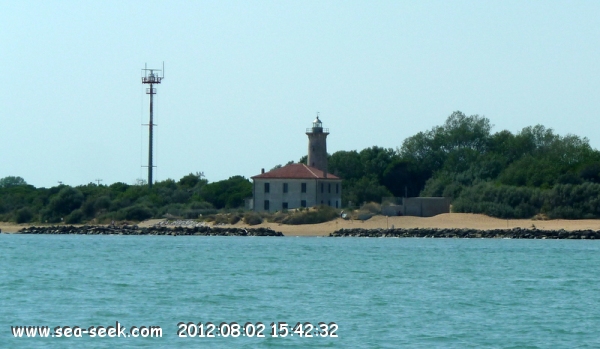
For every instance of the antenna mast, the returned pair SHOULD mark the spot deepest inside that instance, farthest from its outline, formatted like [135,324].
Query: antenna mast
[148,77]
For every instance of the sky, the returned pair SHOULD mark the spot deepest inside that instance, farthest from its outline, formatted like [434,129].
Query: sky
[244,79]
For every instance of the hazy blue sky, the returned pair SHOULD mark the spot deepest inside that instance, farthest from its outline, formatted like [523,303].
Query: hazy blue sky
[244,79]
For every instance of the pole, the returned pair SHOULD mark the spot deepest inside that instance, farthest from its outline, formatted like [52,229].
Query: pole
[150,124]
[151,79]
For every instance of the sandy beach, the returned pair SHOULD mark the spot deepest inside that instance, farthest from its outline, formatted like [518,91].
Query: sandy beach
[448,220]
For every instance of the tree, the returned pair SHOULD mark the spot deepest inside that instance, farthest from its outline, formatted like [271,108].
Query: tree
[67,200]
[375,161]
[461,140]
[365,189]
[280,166]
[403,177]
[547,159]
[189,181]
[23,215]
[591,172]
[229,193]
[346,165]
[11,181]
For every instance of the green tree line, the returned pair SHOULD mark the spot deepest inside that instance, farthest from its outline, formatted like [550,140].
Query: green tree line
[189,197]
[502,174]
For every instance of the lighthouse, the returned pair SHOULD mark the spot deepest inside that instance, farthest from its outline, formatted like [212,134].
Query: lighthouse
[317,145]
[299,185]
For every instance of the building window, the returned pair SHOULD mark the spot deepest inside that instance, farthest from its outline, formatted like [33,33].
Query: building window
[322,186]
[328,202]
[303,187]
[284,205]
[336,204]
[266,205]
[337,188]
[285,187]
[267,188]
[329,189]
[321,202]
[303,203]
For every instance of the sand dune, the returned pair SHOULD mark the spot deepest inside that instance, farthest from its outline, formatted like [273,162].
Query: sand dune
[448,220]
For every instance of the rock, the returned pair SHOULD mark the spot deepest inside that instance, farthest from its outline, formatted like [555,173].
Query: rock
[515,233]
[157,230]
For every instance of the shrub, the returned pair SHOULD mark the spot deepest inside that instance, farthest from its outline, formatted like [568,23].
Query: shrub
[107,217]
[172,210]
[228,193]
[67,200]
[252,218]
[278,217]
[367,211]
[191,214]
[75,217]
[200,209]
[320,215]
[47,216]
[23,215]
[371,207]
[501,201]
[201,205]
[207,218]
[221,219]
[234,218]
[102,203]
[88,208]
[137,213]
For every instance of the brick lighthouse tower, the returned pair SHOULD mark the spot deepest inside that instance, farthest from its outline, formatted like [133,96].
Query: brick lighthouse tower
[317,145]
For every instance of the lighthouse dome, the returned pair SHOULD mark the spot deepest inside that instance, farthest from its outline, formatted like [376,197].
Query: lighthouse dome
[317,123]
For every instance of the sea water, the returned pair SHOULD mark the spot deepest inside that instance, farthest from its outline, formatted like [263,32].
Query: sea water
[380,292]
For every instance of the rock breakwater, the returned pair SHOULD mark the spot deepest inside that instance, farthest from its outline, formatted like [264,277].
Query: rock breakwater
[157,230]
[180,223]
[515,233]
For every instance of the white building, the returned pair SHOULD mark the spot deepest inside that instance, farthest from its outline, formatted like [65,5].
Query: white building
[299,185]
[294,186]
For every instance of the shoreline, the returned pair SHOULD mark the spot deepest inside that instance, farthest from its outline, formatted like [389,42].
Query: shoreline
[443,221]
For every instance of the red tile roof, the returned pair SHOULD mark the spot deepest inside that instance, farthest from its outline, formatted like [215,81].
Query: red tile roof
[293,171]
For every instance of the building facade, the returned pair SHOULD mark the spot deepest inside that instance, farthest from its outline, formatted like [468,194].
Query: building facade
[294,186]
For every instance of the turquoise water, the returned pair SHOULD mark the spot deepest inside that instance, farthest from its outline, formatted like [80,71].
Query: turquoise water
[382,293]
